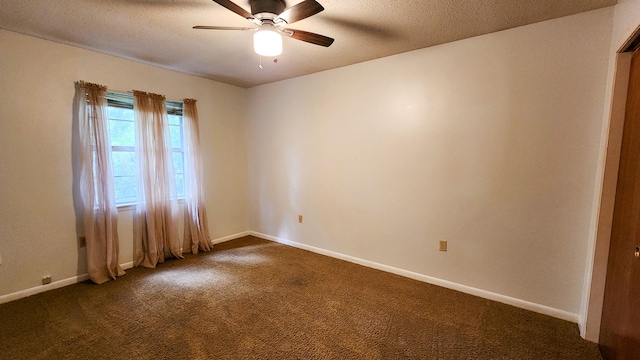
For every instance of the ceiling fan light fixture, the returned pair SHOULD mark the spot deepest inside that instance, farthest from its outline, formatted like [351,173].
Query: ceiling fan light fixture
[267,42]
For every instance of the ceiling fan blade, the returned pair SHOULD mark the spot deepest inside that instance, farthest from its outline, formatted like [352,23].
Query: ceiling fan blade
[300,11]
[235,8]
[309,37]
[205,27]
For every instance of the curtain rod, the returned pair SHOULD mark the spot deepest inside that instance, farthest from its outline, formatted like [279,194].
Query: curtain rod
[131,92]
[81,82]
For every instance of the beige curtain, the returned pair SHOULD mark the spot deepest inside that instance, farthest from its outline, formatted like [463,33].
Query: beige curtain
[96,183]
[196,228]
[156,233]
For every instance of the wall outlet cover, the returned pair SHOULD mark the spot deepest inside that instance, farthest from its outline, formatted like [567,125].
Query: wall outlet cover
[443,245]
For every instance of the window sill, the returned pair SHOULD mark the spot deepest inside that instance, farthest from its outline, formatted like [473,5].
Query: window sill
[131,207]
[126,207]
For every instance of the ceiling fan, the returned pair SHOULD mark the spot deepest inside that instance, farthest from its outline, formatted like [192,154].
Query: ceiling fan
[271,19]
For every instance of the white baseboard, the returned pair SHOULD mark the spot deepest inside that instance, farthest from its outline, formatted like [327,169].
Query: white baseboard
[542,309]
[582,326]
[36,290]
[231,237]
[83,277]
[523,304]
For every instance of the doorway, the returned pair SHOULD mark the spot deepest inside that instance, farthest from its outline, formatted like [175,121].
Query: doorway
[620,323]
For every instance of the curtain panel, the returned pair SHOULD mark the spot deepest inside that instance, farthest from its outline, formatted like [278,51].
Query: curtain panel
[196,228]
[156,229]
[100,214]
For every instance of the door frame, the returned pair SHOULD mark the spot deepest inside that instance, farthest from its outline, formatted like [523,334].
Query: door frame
[596,278]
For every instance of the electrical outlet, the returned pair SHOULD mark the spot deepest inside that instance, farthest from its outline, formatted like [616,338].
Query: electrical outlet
[443,245]
[300,219]
[82,241]
[46,280]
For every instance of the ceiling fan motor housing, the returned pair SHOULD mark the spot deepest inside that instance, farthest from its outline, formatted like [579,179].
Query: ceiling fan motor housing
[267,6]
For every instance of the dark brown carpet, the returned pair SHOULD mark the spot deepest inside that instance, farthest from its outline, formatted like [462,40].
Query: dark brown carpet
[254,299]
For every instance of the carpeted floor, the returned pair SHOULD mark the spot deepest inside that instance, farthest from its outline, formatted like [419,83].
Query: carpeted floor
[254,299]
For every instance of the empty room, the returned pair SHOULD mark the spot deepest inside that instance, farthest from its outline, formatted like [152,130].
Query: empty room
[270,179]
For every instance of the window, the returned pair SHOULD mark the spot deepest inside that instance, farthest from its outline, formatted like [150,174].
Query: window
[123,138]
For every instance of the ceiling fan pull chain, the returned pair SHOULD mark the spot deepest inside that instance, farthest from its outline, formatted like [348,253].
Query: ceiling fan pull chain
[260,66]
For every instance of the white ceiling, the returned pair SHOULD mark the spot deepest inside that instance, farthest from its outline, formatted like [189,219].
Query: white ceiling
[160,32]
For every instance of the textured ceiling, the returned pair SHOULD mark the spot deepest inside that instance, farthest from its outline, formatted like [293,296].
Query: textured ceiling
[160,32]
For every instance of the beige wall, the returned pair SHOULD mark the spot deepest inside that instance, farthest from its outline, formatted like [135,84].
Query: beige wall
[625,21]
[37,217]
[491,143]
